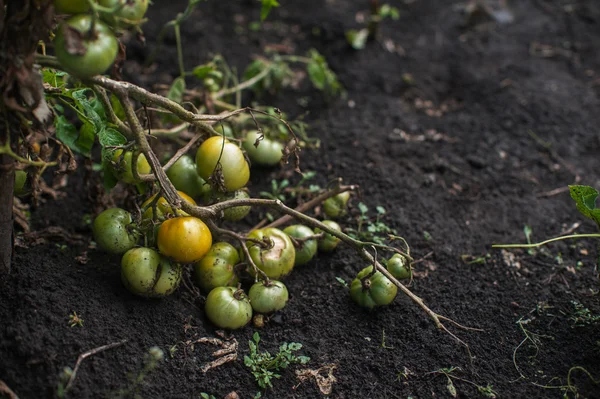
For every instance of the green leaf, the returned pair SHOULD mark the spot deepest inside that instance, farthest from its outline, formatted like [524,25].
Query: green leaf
[266,8]
[380,210]
[316,75]
[357,38]
[256,337]
[362,208]
[176,90]
[79,141]
[202,71]
[117,107]
[585,199]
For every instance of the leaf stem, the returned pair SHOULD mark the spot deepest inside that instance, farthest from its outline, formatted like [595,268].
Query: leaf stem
[539,244]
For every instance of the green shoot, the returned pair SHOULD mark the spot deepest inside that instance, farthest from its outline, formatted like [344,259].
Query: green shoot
[369,229]
[583,316]
[264,366]
[75,320]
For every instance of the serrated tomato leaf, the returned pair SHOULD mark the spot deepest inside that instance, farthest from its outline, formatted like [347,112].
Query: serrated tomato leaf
[79,141]
[585,199]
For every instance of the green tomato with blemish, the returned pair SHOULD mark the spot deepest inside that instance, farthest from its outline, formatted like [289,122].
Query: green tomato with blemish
[114,231]
[127,14]
[216,268]
[122,166]
[399,267]
[376,290]
[337,206]
[276,258]
[236,213]
[268,296]
[228,307]
[146,273]
[307,249]
[328,242]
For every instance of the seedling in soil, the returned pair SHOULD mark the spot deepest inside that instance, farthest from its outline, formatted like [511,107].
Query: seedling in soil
[342,282]
[582,316]
[358,38]
[485,391]
[75,320]
[369,229]
[264,366]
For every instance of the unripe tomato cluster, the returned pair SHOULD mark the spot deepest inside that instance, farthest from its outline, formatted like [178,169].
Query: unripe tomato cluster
[85,47]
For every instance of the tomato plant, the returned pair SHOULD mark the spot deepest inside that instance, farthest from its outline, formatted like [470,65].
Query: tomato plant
[71,6]
[144,272]
[234,169]
[184,176]
[268,152]
[399,267]
[186,239]
[99,48]
[268,296]
[114,231]
[337,206]
[276,258]
[122,164]
[328,242]
[215,269]
[308,248]
[228,307]
[126,14]
[370,290]
[163,208]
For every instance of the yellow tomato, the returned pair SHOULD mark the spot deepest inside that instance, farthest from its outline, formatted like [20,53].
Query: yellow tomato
[186,239]
[235,169]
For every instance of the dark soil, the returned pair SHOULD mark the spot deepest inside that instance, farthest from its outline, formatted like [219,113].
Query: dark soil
[453,183]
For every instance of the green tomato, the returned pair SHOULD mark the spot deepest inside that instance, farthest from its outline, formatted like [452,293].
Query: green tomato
[20,180]
[277,260]
[336,206]
[308,248]
[268,297]
[227,307]
[236,213]
[328,242]
[234,168]
[184,176]
[268,152]
[113,231]
[130,14]
[71,6]
[377,290]
[223,129]
[399,267]
[99,50]
[215,269]
[121,166]
[144,272]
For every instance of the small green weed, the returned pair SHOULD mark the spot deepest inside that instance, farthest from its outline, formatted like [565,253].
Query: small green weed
[369,229]
[265,366]
[582,316]
[75,320]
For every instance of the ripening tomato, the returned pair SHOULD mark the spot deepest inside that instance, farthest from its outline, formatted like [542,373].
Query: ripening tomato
[89,55]
[163,208]
[234,168]
[71,6]
[185,238]
[184,176]
[376,290]
[235,213]
[328,242]
[114,231]
[267,297]
[276,260]
[227,307]
[307,249]
[144,272]
[399,267]
[336,206]
[268,152]
[121,166]
[215,269]
[130,14]
[223,129]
